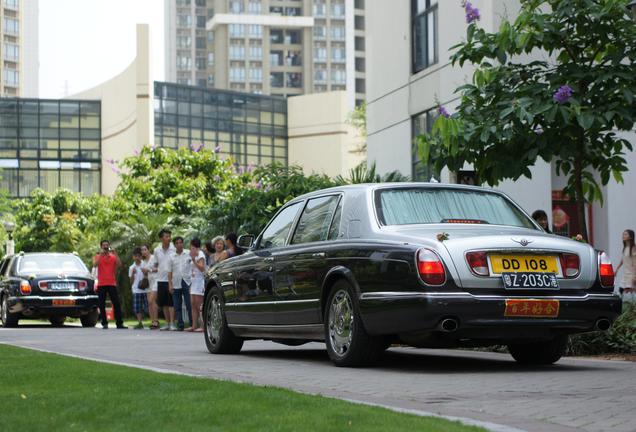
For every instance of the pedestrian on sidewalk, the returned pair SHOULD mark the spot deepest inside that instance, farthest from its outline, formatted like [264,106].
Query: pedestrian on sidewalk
[197,270]
[140,299]
[179,280]
[628,261]
[106,261]
[162,254]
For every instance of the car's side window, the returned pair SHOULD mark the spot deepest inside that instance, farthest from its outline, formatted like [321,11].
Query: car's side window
[334,231]
[277,231]
[5,266]
[315,220]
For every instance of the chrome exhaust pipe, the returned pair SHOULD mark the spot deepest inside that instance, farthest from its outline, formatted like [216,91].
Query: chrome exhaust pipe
[603,324]
[448,325]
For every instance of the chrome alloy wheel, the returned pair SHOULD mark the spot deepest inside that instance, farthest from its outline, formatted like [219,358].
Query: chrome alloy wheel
[341,323]
[214,320]
[5,308]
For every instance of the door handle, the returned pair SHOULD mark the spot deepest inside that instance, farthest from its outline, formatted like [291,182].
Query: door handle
[319,255]
[269,259]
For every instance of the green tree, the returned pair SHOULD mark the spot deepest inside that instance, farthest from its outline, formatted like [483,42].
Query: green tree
[567,107]
[358,119]
[5,199]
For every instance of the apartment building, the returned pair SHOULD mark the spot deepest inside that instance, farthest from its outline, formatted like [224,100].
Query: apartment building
[19,54]
[269,47]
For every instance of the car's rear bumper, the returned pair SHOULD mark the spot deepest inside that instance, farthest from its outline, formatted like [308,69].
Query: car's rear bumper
[35,305]
[480,316]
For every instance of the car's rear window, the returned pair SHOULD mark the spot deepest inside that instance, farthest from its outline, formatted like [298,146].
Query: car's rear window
[52,263]
[425,206]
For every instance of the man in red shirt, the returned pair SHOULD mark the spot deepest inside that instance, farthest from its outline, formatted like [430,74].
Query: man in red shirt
[106,262]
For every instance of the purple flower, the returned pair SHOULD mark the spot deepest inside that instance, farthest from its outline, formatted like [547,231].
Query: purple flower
[563,94]
[220,157]
[217,149]
[259,184]
[217,178]
[472,14]
[441,111]
[192,146]
[154,147]
[241,169]
[199,148]
[118,171]
[539,131]
[110,161]
[137,152]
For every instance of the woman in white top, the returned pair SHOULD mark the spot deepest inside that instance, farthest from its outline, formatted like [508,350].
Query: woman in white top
[628,260]
[197,269]
[150,268]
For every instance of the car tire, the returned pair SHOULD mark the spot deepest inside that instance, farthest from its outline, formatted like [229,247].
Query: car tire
[9,319]
[540,353]
[90,319]
[57,320]
[218,336]
[348,343]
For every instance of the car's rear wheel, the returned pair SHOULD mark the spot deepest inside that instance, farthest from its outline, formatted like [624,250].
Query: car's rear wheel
[348,343]
[90,319]
[8,319]
[540,353]
[218,336]
[57,320]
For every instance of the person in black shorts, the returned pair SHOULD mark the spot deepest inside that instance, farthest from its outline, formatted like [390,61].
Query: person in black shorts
[164,297]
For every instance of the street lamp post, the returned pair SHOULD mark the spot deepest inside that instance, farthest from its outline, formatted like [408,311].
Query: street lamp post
[9,227]
[632,6]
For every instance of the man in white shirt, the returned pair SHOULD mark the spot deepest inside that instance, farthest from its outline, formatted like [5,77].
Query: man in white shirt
[162,254]
[179,280]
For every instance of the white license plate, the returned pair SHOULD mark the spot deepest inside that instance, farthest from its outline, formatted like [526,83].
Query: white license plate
[62,286]
[530,280]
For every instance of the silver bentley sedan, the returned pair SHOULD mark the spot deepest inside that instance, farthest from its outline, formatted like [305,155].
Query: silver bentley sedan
[363,267]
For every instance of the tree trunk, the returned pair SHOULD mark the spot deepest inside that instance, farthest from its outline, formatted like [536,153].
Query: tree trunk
[580,198]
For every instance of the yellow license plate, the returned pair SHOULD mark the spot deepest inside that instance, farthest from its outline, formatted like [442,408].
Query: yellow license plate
[532,308]
[524,263]
[63,302]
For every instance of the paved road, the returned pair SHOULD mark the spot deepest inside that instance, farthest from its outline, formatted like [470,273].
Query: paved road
[574,394]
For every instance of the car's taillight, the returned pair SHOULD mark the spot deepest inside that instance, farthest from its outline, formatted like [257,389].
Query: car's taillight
[44,286]
[82,285]
[430,267]
[570,264]
[606,270]
[478,262]
[25,287]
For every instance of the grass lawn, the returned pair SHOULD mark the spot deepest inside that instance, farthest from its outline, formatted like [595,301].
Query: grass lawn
[42,391]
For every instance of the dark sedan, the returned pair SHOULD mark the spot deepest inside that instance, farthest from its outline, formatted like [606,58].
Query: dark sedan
[363,267]
[47,285]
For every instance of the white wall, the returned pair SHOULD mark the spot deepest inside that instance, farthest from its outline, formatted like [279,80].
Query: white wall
[30,54]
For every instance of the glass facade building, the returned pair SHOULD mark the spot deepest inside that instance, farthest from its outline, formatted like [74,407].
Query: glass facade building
[50,144]
[249,128]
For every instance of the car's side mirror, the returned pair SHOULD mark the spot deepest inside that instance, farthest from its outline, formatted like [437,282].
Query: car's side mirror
[245,241]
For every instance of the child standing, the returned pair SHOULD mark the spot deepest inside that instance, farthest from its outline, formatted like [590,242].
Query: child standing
[139,295]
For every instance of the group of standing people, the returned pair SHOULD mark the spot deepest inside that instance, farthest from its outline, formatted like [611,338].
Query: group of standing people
[167,277]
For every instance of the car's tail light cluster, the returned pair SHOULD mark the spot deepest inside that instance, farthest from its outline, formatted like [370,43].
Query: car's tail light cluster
[430,267]
[605,270]
[25,287]
[81,285]
[478,262]
[44,286]
[571,265]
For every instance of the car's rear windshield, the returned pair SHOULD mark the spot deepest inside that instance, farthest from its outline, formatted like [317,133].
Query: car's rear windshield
[52,263]
[406,206]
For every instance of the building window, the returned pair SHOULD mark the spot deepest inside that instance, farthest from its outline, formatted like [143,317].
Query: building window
[320,55]
[210,37]
[320,11]
[184,81]
[338,55]
[237,7]
[422,123]
[276,58]
[184,63]
[255,8]
[337,11]
[11,26]
[294,80]
[337,33]
[276,79]
[237,53]
[292,37]
[211,80]
[184,21]
[201,63]
[320,76]
[11,78]
[201,21]
[256,75]
[201,82]
[210,59]
[12,4]
[201,44]
[237,30]
[11,52]
[425,50]
[292,11]
[184,42]
[256,53]
[338,77]
[320,33]
[276,36]
[237,74]
[256,31]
